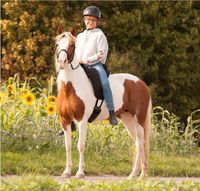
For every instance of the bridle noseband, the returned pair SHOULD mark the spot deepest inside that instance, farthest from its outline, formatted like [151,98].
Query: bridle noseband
[70,55]
[61,51]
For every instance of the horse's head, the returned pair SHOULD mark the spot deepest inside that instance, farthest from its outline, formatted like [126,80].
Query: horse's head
[65,47]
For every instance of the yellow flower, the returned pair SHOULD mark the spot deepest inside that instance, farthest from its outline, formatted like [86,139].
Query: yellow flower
[23,91]
[29,98]
[11,88]
[51,109]
[2,97]
[51,99]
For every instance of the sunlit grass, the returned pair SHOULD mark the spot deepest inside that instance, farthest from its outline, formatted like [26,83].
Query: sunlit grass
[52,162]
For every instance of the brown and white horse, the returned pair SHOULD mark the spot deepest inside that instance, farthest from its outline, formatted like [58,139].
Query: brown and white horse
[76,100]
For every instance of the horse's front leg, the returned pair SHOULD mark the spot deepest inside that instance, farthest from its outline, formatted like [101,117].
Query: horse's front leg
[82,127]
[68,147]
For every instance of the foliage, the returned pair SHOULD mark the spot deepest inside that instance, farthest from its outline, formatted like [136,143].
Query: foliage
[46,183]
[164,40]
[28,29]
[34,122]
[158,41]
[30,183]
[169,133]
[26,120]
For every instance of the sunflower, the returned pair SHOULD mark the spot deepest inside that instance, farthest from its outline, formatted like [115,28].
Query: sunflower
[11,88]
[23,91]
[51,99]
[29,98]
[51,109]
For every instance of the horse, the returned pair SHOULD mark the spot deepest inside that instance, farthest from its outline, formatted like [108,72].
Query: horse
[76,100]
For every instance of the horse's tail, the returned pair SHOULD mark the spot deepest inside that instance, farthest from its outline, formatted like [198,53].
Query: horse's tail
[147,129]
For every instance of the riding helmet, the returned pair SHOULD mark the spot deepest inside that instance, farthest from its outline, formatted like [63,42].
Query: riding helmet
[92,11]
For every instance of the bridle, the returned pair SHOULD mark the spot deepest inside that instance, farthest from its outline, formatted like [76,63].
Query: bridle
[70,55]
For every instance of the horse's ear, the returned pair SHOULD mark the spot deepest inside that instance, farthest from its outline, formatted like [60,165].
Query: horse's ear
[60,29]
[73,31]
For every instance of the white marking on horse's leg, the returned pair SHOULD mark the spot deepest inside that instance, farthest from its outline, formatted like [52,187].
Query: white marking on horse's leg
[143,156]
[82,126]
[147,128]
[68,147]
[139,150]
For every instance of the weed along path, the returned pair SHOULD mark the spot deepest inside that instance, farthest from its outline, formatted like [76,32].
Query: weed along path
[110,178]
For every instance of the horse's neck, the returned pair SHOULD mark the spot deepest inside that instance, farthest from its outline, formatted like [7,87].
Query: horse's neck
[76,76]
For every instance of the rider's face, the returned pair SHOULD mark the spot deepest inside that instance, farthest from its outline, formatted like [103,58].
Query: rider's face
[90,22]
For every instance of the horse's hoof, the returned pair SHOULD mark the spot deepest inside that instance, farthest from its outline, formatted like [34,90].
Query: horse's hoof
[66,175]
[143,176]
[132,176]
[79,176]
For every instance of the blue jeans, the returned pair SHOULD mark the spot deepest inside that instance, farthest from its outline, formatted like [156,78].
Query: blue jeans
[107,93]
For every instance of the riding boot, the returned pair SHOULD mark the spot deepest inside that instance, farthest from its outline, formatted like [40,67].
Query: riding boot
[112,118]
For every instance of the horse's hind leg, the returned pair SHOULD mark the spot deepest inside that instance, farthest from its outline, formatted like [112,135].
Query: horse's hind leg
[132,127]
[146,127]
[68,147]
[139,158]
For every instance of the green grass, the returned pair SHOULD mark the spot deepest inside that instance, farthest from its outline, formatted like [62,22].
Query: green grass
[36,183]
[53,163]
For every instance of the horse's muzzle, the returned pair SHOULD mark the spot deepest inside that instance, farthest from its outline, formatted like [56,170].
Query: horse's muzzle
[62,66]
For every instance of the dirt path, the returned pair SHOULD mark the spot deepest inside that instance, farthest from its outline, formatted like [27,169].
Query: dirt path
[112,178]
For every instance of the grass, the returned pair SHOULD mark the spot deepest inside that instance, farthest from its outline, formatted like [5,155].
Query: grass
[37,183]
[53,163]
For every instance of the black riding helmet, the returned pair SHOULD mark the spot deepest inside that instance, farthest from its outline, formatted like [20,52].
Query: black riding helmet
[92,11]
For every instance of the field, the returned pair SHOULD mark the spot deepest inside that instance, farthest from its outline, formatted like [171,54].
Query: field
[31,144]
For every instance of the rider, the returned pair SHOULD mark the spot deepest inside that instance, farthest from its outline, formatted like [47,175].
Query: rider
[92,49]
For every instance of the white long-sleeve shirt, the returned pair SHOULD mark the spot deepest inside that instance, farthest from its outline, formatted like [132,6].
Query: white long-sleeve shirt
[91,46]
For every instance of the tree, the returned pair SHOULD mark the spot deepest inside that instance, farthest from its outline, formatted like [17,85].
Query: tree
[157,41]
[164,40]
[28,31]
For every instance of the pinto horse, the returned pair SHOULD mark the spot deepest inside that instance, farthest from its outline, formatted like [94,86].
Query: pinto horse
[76,100]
